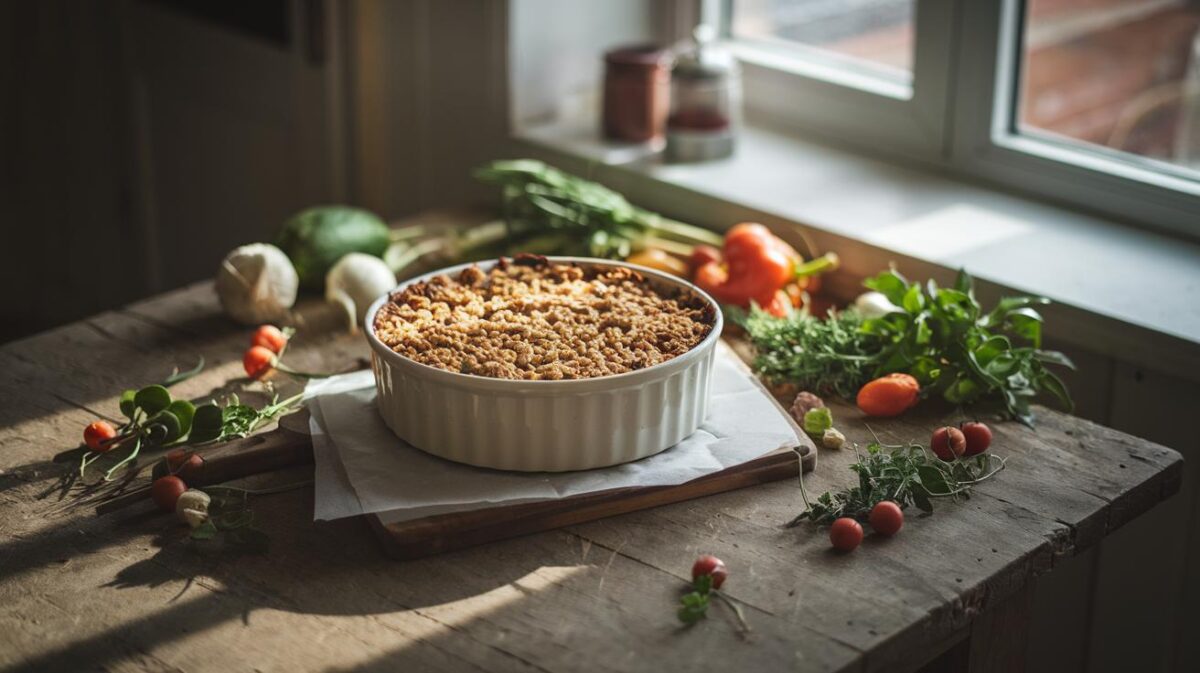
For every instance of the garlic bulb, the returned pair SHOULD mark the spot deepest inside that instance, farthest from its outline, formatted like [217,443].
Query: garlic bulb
[257,284]
[874,305]
[357,280]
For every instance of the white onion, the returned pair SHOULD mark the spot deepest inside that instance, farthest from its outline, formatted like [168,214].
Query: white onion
[357,280]
[257,284]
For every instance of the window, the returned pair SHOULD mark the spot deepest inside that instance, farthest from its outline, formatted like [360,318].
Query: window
[865,33]
[1140,96]
[1095,103]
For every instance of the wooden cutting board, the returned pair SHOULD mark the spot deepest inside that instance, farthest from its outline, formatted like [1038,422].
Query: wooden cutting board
[291,444]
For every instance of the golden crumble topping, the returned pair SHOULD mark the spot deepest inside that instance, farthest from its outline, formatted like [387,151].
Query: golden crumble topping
[535,319]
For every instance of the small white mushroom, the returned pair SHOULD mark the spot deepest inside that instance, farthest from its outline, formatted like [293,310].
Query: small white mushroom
[192,507]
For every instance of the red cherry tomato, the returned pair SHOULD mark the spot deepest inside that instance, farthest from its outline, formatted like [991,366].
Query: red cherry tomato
[978,436]
[712,566]
[258,361]
[184,463]
[97,435]
[886,517]
[948,443]
[846,534]
[269,337]
[703,254]
[166,491]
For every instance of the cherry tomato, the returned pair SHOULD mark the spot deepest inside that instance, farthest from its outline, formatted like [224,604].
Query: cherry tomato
[166,491]
[845,534]
[948,443]
[978,436]
[886,517]
[97,435]
[258,361]
[712,566]
[703,254]
[184,463]
[269,337]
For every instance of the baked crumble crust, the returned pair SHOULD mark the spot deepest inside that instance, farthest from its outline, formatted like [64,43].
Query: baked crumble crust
[539,320]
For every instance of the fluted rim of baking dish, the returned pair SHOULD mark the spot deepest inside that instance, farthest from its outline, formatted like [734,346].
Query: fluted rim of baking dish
[476,382]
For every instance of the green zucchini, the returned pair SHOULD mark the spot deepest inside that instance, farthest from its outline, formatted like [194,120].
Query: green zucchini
[316,238]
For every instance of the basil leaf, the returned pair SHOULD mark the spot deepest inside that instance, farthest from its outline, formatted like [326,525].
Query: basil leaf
[1054,358]
[891,284]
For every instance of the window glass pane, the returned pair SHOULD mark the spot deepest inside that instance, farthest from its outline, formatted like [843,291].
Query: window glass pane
[1122,75]
[876,32]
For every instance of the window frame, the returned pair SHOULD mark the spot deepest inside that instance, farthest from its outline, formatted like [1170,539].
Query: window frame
[820,95]
[961,115]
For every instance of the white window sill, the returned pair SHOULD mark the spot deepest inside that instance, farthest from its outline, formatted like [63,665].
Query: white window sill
[1120,292]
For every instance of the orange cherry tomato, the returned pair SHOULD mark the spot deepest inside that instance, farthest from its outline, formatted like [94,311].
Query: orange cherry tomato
[98,436]
[258,361]
[269,337]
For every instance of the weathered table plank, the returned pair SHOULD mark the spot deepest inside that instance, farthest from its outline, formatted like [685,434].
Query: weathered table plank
[126,591]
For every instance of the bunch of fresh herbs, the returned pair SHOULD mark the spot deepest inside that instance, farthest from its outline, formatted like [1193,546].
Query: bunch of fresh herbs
[903,473]
[828,357]
[940,336]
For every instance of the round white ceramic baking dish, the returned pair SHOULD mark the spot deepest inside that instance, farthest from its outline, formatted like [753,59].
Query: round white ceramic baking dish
[545,426]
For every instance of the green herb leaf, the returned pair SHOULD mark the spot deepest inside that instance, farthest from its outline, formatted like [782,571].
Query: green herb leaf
[205,531]
[890,284]
[164,427]
[206,423]
[693,608]
[128,404]
[184,411]
[152,399]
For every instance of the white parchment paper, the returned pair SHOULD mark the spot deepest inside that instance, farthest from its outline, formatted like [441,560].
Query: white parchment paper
[361,467]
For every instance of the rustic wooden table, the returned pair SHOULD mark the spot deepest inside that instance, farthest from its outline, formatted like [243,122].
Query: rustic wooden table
[127,591]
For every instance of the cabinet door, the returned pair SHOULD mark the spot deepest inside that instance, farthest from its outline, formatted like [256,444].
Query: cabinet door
[235,106]
[1148,579]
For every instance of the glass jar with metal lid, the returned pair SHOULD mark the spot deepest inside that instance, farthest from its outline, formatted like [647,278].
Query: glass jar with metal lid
[706,101]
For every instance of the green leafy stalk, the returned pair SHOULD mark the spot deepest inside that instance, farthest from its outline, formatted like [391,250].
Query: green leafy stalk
[580,216]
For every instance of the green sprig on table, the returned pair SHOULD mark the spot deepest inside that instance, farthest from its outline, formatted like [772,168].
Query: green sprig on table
[905,474]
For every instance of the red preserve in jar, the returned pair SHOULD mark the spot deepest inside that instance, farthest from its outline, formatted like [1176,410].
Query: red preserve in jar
[637,83]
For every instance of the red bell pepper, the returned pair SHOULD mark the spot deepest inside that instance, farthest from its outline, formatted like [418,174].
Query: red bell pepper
[757,264]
